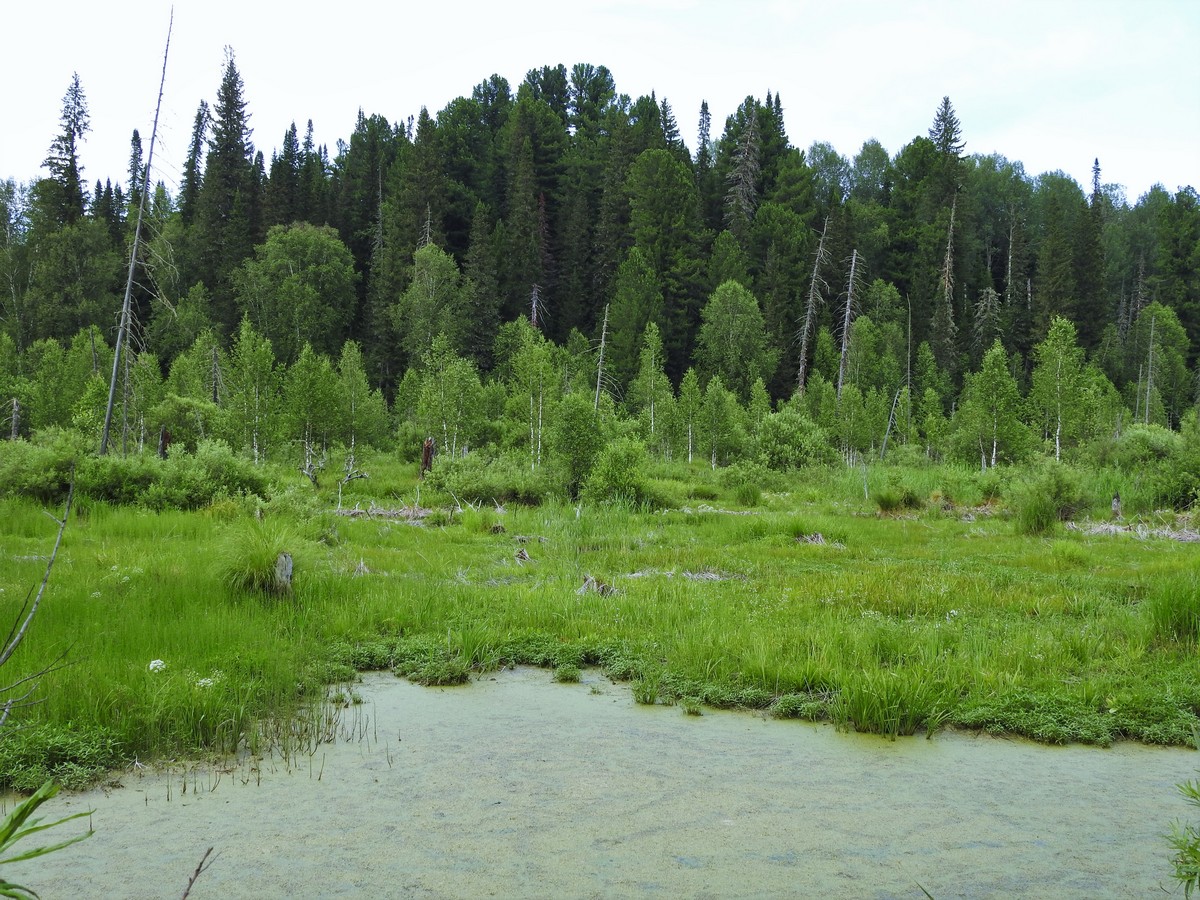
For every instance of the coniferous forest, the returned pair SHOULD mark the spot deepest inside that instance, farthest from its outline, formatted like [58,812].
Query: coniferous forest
[460,273]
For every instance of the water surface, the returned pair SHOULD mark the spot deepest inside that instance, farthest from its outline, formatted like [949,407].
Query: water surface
[518,787]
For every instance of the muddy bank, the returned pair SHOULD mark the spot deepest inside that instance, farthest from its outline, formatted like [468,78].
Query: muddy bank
[519,787]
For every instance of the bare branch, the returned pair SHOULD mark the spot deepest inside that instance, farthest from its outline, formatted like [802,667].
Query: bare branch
[15,639]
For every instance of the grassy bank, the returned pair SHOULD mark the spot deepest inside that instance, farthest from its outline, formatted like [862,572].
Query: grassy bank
[799,598]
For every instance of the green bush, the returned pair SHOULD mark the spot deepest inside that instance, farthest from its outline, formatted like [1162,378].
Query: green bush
[476,479]
[121,480]
[1048,496]
[620,474]
[1164,464]
[41,469]
[193,480]
[895,497]
[788,439]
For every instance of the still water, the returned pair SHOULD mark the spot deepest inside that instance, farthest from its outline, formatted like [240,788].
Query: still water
[518,787]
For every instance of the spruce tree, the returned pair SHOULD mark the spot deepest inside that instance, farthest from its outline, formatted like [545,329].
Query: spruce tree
[68,194]
[223,232]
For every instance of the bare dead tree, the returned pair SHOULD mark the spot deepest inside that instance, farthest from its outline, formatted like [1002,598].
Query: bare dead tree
[351,472]
[18,693]
[987,319]
[944,328]
[847,320]
[600,364]
[812,301]
[123,330]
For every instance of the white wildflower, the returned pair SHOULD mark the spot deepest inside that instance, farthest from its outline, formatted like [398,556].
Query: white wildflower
[157,665]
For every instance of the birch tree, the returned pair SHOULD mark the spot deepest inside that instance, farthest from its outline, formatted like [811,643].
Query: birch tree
[1057,384]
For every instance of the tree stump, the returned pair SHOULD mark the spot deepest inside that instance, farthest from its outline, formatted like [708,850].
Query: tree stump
[283,573]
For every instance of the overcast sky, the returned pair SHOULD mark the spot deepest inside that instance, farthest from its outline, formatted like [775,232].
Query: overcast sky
[1052,83]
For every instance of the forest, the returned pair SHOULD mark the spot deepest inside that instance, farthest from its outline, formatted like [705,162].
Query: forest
[459,275]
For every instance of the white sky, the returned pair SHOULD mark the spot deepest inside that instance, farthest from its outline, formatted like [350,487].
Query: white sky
[1052,83]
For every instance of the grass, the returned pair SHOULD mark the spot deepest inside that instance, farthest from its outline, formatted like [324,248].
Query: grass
[887,624]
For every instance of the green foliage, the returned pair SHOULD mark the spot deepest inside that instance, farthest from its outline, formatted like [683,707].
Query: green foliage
[1054,718]
[476,478]
[896,496]
[40,469]
[193,480]
[13,828]
[299,288]
[577,437]
[72,756]
[1045,497]
[435,303]
[987,426]
[118,479]
[619,474]
[733,340]
[250,556]
[1164,464]
[788,440]
[1185,841]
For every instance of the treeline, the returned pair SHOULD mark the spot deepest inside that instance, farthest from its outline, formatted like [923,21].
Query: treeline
[899,282]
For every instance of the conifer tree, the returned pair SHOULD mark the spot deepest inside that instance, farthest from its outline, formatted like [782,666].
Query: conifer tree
[224,231]
[189,186]
[67,194]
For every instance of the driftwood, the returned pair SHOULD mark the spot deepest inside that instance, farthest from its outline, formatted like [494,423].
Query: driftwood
[412,513]
[594,585]
[1141,532]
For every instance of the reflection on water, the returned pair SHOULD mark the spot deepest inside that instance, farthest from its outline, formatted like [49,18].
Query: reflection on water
[519,787]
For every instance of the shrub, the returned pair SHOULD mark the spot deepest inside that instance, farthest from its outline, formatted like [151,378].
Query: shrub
[41,469]
[1165,464]
[1045,498]
[117,479]
[788,439]
[189,481]
[476,479]
[896,497]
[619,474]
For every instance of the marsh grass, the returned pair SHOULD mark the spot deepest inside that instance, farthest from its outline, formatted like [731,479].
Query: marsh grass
[890,625]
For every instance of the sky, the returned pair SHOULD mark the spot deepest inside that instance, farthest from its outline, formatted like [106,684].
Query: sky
[1054,84]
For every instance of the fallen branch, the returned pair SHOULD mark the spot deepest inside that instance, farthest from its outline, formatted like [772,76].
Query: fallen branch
[25,618]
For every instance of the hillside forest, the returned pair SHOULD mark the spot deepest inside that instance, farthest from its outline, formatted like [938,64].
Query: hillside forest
[530,262]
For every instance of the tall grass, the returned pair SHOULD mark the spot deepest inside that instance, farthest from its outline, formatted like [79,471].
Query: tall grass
[885,625]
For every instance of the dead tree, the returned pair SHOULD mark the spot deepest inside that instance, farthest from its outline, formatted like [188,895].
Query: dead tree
[428,452]
[126,306]
[812,301]
[847,321]
[600,364]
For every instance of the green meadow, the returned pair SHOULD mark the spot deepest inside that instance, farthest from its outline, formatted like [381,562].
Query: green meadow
[815,596]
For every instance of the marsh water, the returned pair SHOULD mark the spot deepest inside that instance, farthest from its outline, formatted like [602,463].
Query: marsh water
[515,786]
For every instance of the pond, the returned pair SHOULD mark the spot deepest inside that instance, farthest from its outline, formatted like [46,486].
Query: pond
[516,786]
